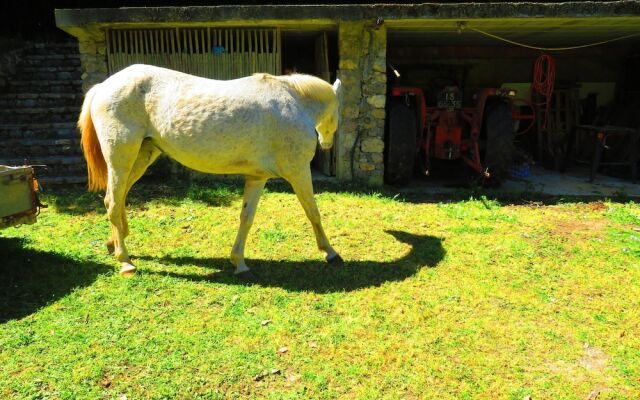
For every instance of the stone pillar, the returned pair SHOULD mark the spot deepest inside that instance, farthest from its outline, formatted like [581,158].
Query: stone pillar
[93,57]
[362,70]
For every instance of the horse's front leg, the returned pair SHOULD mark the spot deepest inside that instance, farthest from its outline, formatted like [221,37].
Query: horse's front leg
[252,191]
[303,186]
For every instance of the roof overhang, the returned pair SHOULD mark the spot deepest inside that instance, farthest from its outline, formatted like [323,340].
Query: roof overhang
[545,23]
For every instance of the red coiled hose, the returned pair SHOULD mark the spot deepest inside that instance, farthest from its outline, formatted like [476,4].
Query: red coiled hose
[544,76]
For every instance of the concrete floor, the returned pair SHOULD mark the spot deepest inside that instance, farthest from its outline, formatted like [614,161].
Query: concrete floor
[574,183]
[547,183]
[544,182]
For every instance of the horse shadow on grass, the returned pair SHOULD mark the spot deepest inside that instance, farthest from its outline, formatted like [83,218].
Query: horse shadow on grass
[317,276]
[31,279]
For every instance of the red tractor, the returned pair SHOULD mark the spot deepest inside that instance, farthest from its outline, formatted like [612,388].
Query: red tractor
[482,136]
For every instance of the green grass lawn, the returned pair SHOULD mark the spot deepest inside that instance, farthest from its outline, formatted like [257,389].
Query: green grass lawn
[462,299]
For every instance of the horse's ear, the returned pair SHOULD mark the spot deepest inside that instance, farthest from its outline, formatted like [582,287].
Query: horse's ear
[337,86]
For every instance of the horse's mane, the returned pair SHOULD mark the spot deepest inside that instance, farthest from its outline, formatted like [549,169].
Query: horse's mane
[306,86]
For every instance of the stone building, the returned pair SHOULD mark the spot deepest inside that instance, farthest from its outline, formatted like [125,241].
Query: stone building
[356,43]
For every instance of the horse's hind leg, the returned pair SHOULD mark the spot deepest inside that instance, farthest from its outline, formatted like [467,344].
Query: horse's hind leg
[303,186]
[146,156]
[120,159]
[252,190]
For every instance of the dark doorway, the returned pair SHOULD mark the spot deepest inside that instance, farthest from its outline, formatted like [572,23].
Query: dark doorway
[314,53]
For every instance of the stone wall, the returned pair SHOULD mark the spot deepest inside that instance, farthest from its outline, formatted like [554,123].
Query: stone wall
[93,57]
[362,70]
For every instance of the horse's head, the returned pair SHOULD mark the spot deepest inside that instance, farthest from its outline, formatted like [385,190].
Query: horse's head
[328,123]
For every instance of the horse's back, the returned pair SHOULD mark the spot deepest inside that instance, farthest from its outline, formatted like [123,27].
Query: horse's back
[143,76]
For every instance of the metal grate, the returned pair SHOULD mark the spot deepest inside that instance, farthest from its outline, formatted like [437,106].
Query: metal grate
[206,52]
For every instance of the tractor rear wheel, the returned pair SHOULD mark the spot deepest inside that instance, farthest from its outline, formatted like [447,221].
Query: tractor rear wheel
[401,143]
[500,141]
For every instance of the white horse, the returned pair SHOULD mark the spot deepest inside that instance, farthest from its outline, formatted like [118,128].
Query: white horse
[261,126]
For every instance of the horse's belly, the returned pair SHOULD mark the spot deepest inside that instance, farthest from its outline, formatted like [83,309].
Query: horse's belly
[219,158]
[263,148]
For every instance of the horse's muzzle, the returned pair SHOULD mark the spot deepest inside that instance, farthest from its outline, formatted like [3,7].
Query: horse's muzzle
[326,146]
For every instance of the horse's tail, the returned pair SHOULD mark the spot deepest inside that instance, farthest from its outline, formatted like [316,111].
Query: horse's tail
[96,165]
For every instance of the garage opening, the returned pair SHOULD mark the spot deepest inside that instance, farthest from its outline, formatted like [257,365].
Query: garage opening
[469,101]
[314,53]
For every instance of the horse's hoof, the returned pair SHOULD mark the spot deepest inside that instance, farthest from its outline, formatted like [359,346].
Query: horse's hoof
[127,270]
[246,276]
[336,260]
[110,248]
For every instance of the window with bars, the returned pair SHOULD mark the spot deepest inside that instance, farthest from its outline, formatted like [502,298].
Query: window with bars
[226,53]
